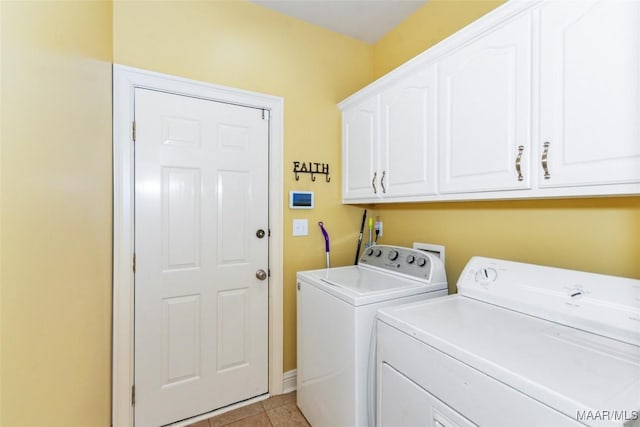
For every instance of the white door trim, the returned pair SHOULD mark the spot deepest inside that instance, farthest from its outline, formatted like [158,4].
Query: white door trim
[125,80]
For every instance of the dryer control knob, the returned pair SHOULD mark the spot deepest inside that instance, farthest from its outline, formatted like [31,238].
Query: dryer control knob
[410,259]
[421,262]
[369,251]
[393,255]
[378,252]
[486,275]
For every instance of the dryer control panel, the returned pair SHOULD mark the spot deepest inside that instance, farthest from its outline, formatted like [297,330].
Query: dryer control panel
[415,263]
[605,305]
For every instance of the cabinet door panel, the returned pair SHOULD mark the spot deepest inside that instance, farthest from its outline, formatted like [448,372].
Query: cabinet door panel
[408,137]
[360,150]
[485,97]
[590,92]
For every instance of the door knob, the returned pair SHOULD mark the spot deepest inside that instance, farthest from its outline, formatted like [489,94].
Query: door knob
[260,233]
[261,274]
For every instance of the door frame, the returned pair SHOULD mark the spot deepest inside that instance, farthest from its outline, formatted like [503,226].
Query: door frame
[125,81]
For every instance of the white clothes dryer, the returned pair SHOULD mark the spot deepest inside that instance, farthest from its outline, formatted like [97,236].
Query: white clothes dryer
[519,345]
[336,309]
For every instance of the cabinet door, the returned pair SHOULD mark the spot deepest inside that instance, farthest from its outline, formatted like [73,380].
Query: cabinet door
[485,111]
[360,150]
[407,140]
[590,92]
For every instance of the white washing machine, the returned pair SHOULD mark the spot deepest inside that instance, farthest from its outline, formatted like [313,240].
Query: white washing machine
[519,345]
[336,316]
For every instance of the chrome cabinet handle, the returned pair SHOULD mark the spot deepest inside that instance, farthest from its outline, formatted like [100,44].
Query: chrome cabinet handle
[384,190]
[373,183]
[545,161]
[518,163]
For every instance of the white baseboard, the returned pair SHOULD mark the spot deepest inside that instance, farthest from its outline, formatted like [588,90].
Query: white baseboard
[289,381]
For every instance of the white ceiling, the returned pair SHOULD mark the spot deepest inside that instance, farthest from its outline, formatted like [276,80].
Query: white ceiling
[366,20]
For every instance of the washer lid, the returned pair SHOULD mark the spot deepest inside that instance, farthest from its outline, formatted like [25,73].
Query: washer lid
[563,367]
[361,285]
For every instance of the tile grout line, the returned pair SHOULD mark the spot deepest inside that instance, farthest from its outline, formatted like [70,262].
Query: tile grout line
[269,418]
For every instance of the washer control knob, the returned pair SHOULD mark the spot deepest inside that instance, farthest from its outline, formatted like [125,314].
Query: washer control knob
[422,262]
[486,275]
[378,252]
[393,255]
[369,251]
[410,259]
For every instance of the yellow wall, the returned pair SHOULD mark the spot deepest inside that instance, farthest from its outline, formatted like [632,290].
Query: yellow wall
[433,22]
[56,213]
[600,235]
[242,45]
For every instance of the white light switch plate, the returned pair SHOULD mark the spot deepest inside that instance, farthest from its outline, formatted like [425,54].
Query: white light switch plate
[300,227]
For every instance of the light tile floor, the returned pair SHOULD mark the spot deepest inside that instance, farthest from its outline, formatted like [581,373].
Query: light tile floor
[276,411]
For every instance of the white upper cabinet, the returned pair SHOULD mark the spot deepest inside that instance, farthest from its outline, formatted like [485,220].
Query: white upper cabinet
[589,93]
[408,132]
[360,149]
[388,145]
[485,111]
[536,99]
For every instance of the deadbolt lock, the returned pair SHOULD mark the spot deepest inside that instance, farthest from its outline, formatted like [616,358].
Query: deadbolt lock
[260,233]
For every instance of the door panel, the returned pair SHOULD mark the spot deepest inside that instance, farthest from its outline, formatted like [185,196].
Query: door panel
[181,343]
[200,312]
[233,312]
[181,208]
[234,208]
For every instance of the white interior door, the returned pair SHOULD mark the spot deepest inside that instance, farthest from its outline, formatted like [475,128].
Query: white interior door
[201,194]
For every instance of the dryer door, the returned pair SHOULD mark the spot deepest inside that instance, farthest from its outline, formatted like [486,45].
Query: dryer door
[404,403]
